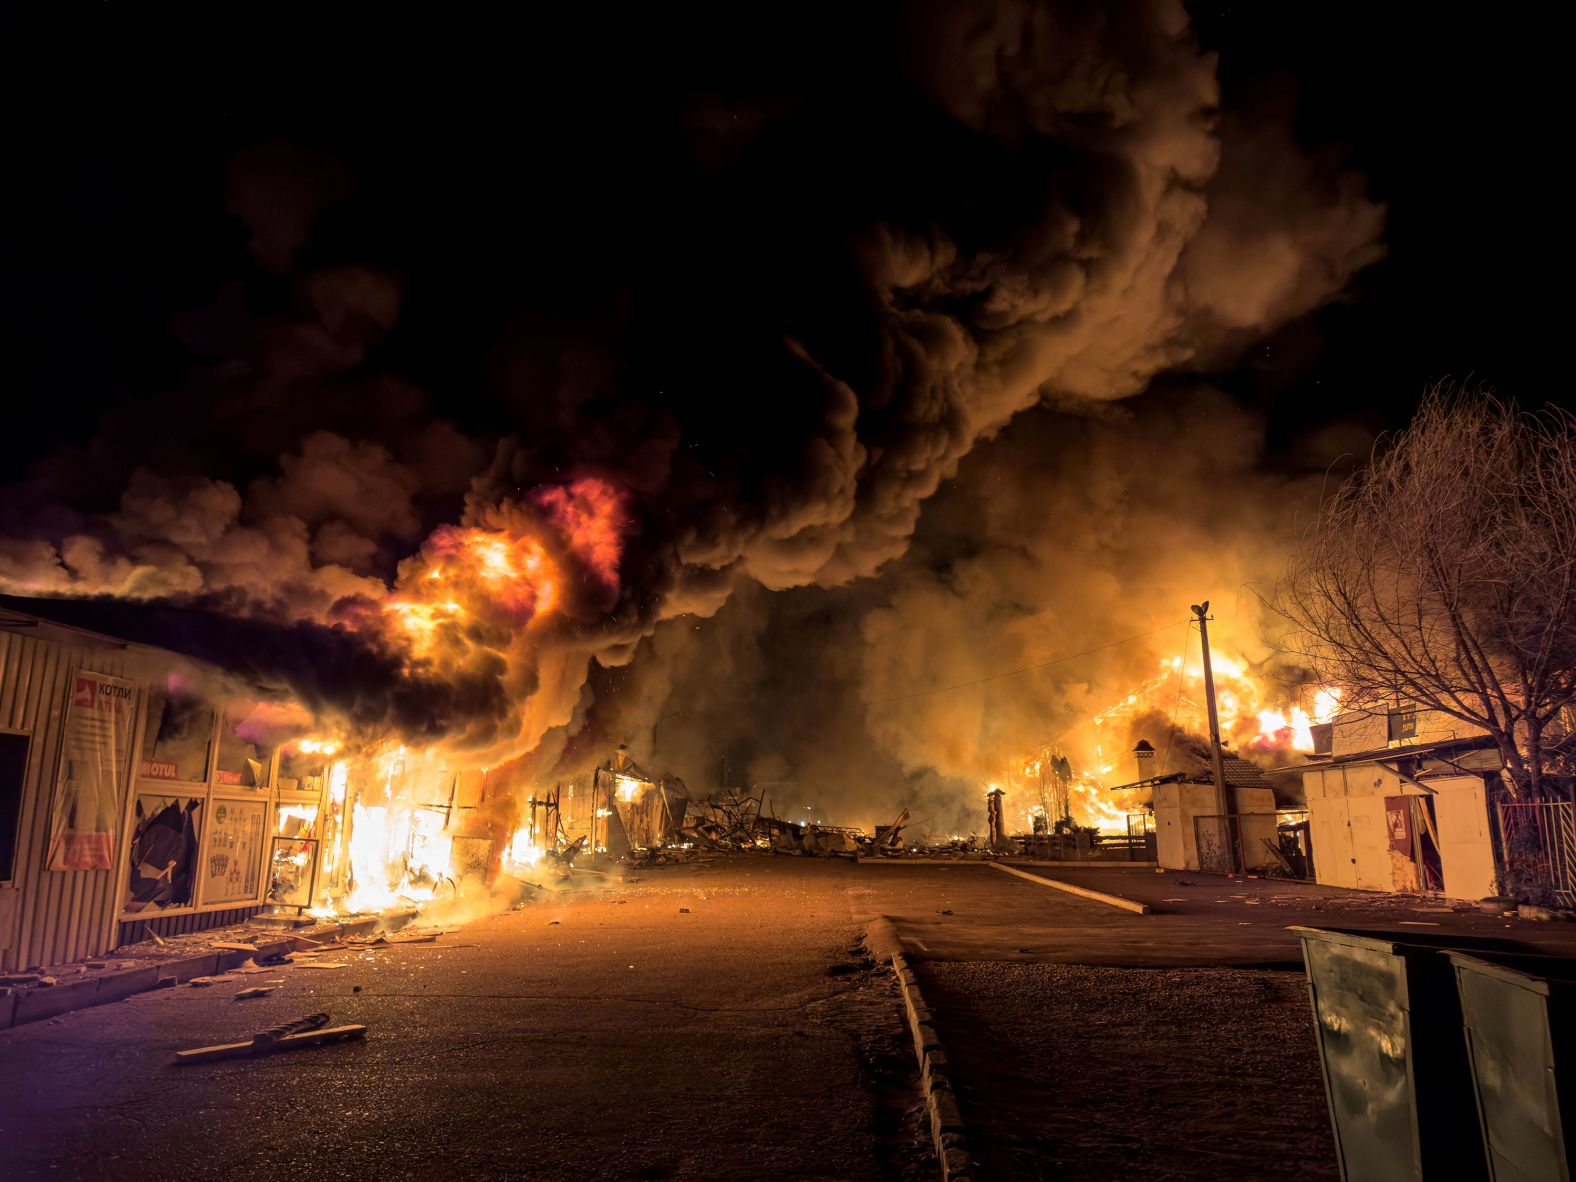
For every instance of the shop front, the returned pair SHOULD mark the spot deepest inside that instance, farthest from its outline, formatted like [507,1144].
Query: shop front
[136,798]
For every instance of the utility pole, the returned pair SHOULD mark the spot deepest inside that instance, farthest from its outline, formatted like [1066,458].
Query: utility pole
[1222,797]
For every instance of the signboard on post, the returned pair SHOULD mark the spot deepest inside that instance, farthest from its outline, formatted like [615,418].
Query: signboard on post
[90,784]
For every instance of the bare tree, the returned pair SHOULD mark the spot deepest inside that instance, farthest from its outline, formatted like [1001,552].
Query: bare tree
[1444,574]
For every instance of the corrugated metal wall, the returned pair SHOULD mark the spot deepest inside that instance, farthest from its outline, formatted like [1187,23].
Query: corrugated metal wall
[58,915]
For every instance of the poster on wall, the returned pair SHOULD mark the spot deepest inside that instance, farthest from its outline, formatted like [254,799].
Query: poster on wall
[94,752]
[235,851]
[164,852]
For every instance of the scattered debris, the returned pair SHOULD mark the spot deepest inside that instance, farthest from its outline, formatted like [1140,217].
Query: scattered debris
[234,946]
[204,982]
[255,991]
[414,938]
[323,964]
[684,910]
[552,923]
[309,1031]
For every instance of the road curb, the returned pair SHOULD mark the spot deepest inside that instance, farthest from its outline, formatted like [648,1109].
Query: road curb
[946,1120]
[1083,892]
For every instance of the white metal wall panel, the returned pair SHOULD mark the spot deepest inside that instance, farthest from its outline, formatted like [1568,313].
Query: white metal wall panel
[1465,848]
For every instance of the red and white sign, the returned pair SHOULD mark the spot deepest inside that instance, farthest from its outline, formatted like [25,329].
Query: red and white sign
[90,782]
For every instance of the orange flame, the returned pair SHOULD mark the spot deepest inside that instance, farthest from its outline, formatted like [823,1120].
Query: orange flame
[503,571]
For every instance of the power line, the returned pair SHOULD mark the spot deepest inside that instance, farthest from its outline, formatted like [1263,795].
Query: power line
[944,689]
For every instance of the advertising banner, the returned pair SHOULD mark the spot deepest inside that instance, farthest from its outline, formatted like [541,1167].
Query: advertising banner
[90,786]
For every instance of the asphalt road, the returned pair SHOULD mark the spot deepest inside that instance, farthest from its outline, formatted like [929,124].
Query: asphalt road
[720,1021]
[609,1035]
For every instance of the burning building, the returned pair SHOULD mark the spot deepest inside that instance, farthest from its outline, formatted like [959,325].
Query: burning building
[148,792]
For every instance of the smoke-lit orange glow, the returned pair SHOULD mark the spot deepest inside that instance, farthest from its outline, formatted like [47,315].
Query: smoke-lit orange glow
[589,513]
[502,571]
[1258,720]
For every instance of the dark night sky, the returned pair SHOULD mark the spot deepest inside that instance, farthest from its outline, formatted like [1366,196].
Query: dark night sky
[120,131]
[668,245]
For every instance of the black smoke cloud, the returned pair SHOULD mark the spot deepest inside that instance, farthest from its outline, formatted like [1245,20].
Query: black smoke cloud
[777,295]
[1066,533]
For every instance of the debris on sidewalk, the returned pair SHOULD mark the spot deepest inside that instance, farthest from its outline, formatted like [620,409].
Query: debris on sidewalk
[204,982]
[255,991]
[312,1030]
[414,937]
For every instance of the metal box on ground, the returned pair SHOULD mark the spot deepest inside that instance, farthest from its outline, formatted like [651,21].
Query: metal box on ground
[1395,1064]
[1519,1035]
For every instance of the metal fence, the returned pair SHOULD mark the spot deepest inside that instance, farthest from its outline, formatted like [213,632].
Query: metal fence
[1099,847]
[1538,850]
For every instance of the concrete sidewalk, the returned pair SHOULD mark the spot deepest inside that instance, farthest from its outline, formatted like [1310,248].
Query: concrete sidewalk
[47,991]
[1197,920]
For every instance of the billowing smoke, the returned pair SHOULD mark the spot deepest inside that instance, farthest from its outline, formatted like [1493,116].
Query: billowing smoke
[843,283]
[1067,534]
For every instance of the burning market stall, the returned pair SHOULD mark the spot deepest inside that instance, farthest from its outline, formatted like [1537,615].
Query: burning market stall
[615,809]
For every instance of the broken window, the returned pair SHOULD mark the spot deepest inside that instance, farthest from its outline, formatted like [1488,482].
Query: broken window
[164,851]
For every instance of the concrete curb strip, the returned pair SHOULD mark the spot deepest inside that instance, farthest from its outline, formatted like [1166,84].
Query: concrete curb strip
[33,1004]
[1082,892]
[946,1120]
